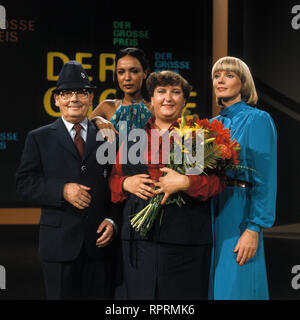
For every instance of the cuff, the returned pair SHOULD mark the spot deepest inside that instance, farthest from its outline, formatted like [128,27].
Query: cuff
[193,190]
[253,227]
[114,225]
[117,192]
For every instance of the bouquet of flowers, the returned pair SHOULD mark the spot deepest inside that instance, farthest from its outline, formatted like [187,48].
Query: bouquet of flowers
[219,153]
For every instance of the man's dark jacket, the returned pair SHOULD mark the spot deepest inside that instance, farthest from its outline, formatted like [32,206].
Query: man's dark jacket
[49,160]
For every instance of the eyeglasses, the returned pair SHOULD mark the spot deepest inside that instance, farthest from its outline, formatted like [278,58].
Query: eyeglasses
[80,93]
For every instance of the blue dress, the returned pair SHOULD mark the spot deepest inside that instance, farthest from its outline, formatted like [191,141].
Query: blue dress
[134,116]
[237,208]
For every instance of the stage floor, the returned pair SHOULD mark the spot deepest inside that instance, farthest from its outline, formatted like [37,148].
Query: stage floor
[24,279]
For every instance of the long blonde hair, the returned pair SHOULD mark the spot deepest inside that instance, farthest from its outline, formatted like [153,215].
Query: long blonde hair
[236,65]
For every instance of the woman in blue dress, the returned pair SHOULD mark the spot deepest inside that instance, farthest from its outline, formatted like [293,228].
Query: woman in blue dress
[248,204]
[131,104]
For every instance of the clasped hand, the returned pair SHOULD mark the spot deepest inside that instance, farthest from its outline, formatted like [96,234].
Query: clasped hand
[171,183]
[77,195]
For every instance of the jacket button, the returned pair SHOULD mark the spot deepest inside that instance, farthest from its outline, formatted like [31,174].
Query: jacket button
[83,168]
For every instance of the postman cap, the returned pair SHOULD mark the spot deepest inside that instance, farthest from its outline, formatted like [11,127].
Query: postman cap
[73,76]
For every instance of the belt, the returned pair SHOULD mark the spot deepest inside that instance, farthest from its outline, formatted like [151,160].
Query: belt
[239,183]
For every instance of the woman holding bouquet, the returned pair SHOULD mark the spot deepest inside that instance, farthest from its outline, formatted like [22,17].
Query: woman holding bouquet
[247,205]
[131,104]
[173,260]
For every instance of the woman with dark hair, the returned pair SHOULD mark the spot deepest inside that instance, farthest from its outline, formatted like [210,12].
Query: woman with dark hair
[131,104]
[141,57]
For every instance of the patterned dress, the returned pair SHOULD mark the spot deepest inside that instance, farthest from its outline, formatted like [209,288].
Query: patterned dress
[134,116]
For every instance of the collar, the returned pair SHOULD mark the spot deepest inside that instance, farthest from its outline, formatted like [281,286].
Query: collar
[234,109]
[150,124]
[69,125]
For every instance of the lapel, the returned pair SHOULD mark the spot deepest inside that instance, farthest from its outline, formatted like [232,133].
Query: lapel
[63,137]
[90,140]
[130,169]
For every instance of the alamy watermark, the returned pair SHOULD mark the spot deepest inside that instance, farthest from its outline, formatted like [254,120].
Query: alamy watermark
[295,283]
[295,22]
[186,150]
[2,17]
[2,278]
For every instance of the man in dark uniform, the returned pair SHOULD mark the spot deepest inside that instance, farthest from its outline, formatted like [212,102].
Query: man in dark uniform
[59,172]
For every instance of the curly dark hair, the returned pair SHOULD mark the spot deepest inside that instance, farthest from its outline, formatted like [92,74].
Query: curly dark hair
[165,78]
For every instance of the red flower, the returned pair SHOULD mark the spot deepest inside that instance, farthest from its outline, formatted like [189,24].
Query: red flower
[222,135]
[205,123]
[234,147]
[226,152]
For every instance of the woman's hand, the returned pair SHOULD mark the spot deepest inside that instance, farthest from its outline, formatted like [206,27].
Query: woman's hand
[246,246]
[106,128]
[138,185]
[171,183]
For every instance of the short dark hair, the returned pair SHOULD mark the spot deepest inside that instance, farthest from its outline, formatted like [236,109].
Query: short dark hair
[140,55]
[165,78]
